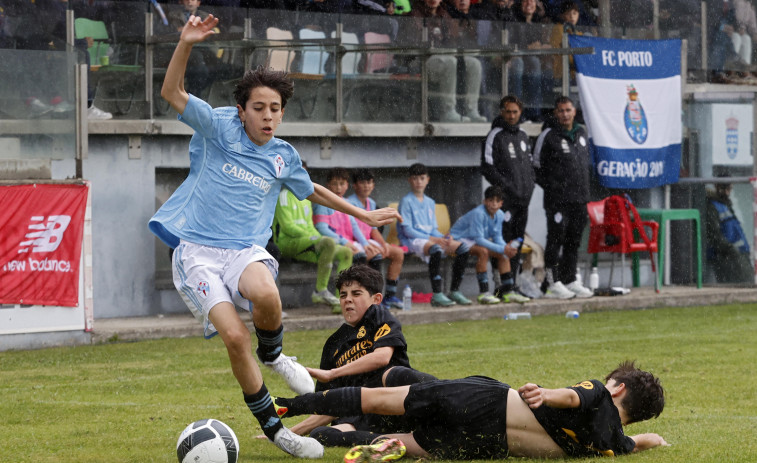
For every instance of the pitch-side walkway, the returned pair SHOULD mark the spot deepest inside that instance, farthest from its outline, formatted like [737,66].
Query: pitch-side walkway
[312,318]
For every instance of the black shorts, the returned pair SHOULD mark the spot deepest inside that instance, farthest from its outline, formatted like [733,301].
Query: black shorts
[460,419]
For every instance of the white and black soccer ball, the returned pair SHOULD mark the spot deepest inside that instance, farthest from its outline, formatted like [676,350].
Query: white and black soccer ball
[207,441]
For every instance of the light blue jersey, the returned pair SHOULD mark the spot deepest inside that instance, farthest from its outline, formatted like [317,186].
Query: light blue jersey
[418,219]
[479,226]
[229,197]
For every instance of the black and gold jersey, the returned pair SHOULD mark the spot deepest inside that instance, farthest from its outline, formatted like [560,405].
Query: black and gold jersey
[378,328]
[592,429]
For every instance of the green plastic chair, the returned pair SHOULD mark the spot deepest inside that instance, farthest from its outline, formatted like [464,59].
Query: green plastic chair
[84,27]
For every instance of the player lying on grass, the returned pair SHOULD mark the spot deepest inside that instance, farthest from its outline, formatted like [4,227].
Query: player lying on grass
[481,418]
[219,222]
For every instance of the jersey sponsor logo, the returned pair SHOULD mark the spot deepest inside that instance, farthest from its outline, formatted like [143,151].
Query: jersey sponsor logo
[361,332]
[245,176]
[355,352]
[565,147]
[511,150]
[381,332]
[278,165]
[203,288]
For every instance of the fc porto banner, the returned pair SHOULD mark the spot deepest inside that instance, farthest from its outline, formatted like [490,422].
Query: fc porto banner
[630,92]
[40,250]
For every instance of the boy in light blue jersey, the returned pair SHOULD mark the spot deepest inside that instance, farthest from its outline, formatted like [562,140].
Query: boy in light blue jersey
[481,229]
[363,183]
[219,221]
[419,231]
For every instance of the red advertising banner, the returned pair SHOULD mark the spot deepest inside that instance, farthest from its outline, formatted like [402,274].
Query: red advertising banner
[41,227]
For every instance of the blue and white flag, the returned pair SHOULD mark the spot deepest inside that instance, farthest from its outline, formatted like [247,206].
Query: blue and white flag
[630,92]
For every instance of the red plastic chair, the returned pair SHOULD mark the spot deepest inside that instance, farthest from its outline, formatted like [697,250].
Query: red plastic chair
[615,226]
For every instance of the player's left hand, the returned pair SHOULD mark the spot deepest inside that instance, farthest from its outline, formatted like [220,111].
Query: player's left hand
[324,376]
[532,394]
[382,216]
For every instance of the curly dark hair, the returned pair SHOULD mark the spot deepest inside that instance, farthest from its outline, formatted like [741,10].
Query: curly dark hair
[510,99]
[645,398]
[363,275]
[263,77]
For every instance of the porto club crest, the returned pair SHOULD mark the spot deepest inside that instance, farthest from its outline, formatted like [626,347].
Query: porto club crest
[634,117]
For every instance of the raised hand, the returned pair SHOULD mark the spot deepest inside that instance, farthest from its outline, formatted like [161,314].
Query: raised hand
[197,30]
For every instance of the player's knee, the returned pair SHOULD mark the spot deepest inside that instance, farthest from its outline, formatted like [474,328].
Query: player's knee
[237,339]
[435,249]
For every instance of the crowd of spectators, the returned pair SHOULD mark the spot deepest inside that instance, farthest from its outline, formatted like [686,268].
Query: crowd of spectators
[462,87]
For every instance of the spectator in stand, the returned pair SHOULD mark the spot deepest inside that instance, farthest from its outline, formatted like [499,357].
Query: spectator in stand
[723,57]
[566,22]
[531,75]
[727,245]
[443,78]
[745,30]
[467,37]
[554,11]
[494,10]
[506,162]
[363,183]
[562,165]
[205,65]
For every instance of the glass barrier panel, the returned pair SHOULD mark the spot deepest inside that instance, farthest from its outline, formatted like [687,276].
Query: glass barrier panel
[37,98]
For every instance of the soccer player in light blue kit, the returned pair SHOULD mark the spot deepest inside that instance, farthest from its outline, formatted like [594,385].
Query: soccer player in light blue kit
[420,233]
[481,229]
[219,221]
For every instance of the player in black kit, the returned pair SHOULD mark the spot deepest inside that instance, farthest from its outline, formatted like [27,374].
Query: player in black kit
[368,350]
[478,417]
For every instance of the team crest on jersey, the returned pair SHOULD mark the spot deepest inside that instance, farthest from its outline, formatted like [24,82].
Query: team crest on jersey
[558,217]
[361,332]
[523,146]
[511,150]
[278,165]
[582,141]
[508,216]
[381,332]
[203,288]
[634,117]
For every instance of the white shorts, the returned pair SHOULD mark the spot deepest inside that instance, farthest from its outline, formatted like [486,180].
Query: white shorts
[362,249]
[206,276]
[416,246]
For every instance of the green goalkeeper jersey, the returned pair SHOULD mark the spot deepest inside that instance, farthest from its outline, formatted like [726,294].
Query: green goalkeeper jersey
[293,218]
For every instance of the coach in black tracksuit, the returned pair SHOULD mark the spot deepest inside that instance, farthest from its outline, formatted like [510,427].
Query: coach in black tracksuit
[506,162]
[562,163]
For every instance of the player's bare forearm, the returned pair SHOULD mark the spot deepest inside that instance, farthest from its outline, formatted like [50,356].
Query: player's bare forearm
[379,358]
[648,441]
[323,196]
[194,31]
[536,396]
[304,427]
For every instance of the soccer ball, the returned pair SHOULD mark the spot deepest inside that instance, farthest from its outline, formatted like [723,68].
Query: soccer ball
[207,441]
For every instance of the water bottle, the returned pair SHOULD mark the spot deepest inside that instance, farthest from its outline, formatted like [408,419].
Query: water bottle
[407,298]
[571,314]
[515,244]
[594,279]
[518,316]
[579,276]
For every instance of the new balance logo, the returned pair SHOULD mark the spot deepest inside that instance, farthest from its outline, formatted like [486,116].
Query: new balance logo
[45,235]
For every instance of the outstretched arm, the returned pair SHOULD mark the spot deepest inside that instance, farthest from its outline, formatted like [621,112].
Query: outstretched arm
[536,396]
[377,359]
[195,30]
[648,441]
[323,196]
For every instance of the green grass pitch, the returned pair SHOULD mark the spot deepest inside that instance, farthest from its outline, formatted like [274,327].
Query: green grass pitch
[128,402]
